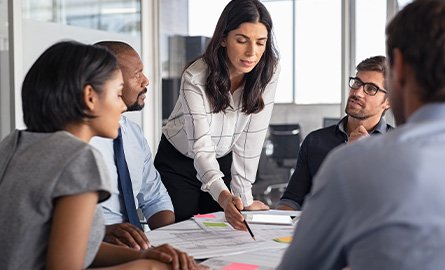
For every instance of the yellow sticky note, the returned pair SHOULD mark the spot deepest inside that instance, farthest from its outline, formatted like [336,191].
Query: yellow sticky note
[215,224]
[285,239]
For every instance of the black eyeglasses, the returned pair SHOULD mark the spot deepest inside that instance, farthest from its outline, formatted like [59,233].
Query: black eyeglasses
[369,88]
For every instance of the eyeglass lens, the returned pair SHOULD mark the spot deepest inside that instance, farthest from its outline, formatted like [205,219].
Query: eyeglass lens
[368,88]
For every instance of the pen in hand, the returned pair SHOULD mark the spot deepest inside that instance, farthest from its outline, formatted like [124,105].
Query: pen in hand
[248,228]
[246,224]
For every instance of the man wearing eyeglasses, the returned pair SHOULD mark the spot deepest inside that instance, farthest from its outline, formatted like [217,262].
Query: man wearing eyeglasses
[367,103]
[379,203]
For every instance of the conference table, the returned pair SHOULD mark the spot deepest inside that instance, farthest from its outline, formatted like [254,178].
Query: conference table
[213,242]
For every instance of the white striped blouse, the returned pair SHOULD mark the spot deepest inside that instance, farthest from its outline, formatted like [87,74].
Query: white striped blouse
[198,133]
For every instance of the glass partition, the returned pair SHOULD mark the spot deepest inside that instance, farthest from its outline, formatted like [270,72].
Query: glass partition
[107,15]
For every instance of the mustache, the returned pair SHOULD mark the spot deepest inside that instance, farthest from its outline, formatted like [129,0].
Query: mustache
[357,100]
[143,91]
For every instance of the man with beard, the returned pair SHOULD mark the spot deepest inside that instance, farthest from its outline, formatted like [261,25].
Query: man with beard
[366,105]
[379,203]
[144,182]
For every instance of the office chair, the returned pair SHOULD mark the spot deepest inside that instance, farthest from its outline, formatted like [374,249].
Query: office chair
[282,147]
[330,121]
[286,140]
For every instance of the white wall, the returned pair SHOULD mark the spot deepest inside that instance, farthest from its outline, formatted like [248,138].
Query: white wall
[38,36]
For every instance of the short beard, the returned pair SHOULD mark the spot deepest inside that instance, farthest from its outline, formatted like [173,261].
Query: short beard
[356,116]
[136,106]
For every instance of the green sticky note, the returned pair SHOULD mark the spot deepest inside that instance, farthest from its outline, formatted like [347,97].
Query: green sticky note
[215,224]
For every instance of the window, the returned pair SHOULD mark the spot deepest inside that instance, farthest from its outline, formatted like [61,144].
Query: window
[204,23]
[370,22]
[106,15]
[403,3]
[308,36]
[304,42]
[282,18]
[317,72]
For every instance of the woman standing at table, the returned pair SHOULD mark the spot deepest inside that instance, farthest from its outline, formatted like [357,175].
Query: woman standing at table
[214,136]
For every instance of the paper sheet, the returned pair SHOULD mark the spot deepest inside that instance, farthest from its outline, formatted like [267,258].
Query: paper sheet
[201,244]
[212,223]
[268,219]
[267,259]
[275,212]
[274,217]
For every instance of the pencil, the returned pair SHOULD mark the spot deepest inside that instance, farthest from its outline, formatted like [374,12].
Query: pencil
[245,223]
[248,228]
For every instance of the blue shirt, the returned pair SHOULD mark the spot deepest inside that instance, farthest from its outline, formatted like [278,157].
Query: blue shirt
[378,203]
[313,151]
[149,192]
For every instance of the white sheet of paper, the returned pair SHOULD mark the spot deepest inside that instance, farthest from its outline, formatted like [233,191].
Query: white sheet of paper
[266,259]
[189,237]
[268,219]
[213,224]
[203,244]
[275,212]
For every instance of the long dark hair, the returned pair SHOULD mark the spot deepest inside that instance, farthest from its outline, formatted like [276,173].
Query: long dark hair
[215,56]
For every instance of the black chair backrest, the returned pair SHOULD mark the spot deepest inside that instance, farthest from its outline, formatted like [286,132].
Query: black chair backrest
[286,139]
[330,121]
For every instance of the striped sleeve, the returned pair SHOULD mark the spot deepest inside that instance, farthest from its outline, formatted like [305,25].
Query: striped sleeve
[247,149]
[196,111]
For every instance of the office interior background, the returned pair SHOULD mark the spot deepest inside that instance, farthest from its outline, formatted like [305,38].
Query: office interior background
[320,42]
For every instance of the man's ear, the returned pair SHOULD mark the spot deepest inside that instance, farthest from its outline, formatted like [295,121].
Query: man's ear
[386,104]
[398,68]
[89,97]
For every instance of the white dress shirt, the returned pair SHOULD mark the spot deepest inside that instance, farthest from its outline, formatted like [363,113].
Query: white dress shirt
[205,136]
[149,193]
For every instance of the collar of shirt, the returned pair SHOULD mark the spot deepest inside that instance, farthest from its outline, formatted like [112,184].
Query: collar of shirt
[381,128]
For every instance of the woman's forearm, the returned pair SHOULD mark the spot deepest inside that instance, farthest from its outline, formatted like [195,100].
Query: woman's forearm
[109,254]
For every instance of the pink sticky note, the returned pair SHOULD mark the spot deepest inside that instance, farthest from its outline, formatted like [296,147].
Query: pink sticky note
[240,266]
[205,216]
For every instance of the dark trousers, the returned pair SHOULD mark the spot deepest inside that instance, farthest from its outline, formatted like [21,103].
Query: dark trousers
[179,177]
